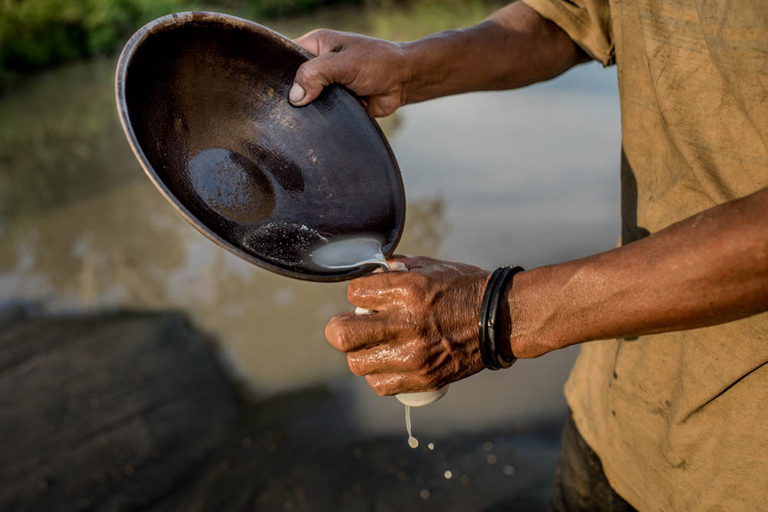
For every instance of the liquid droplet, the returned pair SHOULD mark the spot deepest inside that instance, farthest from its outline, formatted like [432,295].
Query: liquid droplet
[412,441]
[448,474]
[431,446]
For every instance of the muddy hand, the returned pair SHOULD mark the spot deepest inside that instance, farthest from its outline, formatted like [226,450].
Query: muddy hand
[374,69]
[424,333]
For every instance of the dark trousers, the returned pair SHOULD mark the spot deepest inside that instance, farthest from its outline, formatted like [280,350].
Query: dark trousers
[580,483]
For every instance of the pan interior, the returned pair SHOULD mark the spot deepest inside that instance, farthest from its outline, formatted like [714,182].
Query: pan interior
[206,97]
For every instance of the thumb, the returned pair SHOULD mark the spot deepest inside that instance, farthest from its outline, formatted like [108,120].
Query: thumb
[317,73]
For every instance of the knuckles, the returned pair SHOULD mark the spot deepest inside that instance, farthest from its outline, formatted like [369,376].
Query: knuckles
[416,360]
[322,34]
[325,38]
[307,73]
[416,287]
[422,335]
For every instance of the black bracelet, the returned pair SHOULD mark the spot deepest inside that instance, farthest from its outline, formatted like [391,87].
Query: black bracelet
[488,359]
[492,299]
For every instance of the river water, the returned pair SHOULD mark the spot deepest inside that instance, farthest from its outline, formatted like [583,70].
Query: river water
[527,177]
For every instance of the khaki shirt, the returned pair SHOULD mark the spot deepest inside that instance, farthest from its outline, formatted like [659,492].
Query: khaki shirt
[680,420]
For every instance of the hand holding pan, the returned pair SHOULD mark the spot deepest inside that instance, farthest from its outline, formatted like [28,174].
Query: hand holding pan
[203,100]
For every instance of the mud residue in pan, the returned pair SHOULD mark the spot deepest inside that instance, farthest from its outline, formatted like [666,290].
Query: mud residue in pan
[283,243]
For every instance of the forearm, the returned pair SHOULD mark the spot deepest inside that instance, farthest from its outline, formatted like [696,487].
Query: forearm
[708,269]
[513,48]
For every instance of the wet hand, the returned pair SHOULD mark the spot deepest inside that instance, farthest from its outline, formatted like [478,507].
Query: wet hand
[374,69]
[423,334]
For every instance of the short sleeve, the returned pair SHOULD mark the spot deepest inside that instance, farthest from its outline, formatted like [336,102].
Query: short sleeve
[587,22]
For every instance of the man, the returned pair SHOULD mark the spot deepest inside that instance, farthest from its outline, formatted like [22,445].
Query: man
[674,399]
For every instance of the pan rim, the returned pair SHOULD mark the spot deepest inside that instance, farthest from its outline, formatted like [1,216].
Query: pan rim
[177,20]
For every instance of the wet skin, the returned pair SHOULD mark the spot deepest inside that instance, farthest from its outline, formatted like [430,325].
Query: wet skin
[708,269]
[424,332]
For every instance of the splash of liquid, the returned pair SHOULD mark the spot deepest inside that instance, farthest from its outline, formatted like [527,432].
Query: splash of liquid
[412,441]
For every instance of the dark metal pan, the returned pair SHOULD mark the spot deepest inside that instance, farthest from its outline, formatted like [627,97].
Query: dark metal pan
[203,100]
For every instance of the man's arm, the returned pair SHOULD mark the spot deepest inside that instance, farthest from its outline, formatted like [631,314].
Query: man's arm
[705,270]
[708,269]
[513,48]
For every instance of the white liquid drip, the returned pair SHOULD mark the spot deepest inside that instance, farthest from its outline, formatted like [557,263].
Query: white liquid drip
[412,441]
[349,253]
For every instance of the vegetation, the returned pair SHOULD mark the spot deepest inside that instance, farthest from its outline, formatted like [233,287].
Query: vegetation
[36,34]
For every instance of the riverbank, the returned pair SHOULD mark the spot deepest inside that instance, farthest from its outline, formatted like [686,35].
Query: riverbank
[131,411]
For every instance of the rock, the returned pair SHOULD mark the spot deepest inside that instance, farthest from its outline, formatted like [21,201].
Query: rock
[130,413]
[106,413]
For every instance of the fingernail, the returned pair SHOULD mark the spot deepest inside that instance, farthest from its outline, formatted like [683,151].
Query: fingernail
[297,93]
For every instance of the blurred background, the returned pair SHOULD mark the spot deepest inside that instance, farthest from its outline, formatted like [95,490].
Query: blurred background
[144,368]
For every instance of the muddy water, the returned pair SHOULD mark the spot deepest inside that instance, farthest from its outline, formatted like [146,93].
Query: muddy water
[527,177]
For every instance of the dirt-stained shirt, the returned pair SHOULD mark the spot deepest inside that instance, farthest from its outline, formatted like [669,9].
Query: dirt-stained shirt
[680,420]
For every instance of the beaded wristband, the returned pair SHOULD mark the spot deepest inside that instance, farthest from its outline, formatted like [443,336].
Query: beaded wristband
[492,299]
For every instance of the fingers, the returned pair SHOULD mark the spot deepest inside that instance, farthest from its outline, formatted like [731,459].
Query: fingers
[326,68]
[418,262]
[382,105]
[309,42]
[395,383]
[375,70]
[320,41]
[314,74]
[377,292]
[424,333]
[348,332]
[390,357]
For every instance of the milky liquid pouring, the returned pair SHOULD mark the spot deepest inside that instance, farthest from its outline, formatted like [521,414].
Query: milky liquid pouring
[349,254]
[412,441]
[352,253]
